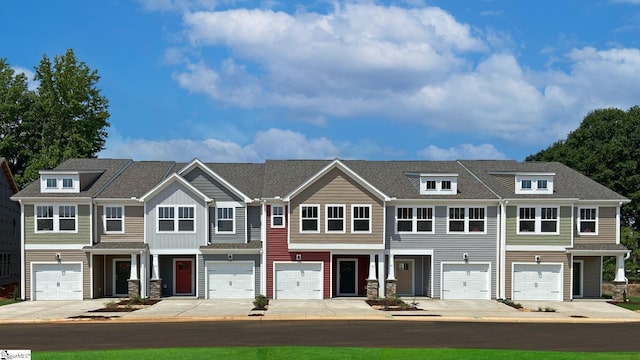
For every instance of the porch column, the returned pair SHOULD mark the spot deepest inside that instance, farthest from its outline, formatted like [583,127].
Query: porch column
[144,278]
[391,278]
[381,273]
[392,269]
[155,269]
[372,281]
[134,267]
[620,269]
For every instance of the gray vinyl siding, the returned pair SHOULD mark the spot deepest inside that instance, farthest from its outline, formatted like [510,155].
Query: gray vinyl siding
[166,270]
[422,274]
[563,238]
[254,222]
[83,236]
[210,187]
[67,256]
[202,289]
[9,232]
[133,225]
[241,225]
[481,248]
[176,194]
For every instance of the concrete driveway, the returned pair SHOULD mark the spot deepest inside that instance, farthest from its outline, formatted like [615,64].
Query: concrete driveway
[189,309]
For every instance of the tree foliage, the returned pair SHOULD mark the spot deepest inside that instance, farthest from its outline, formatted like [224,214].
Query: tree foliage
[64,117]
[606,148]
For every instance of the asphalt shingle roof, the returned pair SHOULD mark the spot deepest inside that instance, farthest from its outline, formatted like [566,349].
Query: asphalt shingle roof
[137,179]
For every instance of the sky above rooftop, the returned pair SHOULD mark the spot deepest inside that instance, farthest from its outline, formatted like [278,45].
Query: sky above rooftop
[244,81]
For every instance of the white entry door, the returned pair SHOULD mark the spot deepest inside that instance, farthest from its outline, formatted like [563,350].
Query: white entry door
[231,279]
[298,281]
[57,281]
[537,282]
[466,281]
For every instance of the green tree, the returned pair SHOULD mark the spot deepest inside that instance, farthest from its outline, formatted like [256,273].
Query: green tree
[606,148]
[65,117]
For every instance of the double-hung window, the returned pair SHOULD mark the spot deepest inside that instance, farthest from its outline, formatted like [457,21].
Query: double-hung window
[67,183]
[52,183]
[309,218]
[225,220]
[588,221]
[277,216]
[467,219]
[166,218]
[56,218]
[186,219]
[414,219]
[538,220]
[361,219]
[335,219]
[113,219]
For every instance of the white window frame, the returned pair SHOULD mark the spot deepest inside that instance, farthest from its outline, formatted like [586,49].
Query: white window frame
[274,216]
[538,220]
[317,218]
[175,218]
[414,219]
[467,219]
[52,183]
[55,218]
[534,180]
[353,218]
[181,218]
[106,219]
[580,220]
[58,181]
[233,219]
[437,180]
[327,218]
[64,180]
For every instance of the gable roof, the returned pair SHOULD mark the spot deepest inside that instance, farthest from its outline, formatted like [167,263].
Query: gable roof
[108,169]
[197,163]
[336,164]
[170,180]
[137,179]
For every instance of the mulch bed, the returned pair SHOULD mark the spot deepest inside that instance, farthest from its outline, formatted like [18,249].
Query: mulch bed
[127,306]
[6,291]
[391,305]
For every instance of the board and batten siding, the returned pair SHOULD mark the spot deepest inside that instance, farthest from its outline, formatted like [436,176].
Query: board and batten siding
[82,236]
[238,237]
[133,225]
[449,247]
[254,223]
[202,259]
[546,257]
[336,188]
[210,186]
[176,194]
[49,256]
[606,227]
[561,239]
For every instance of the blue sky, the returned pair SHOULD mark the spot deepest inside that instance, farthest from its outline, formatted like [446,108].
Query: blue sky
[247,80]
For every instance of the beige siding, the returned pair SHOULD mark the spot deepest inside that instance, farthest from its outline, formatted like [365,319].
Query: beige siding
[591,275]
[133,225]
[546,257]
[98,276]
[83,236]
[606,227]
[338,189]
[562,239]
[48,256]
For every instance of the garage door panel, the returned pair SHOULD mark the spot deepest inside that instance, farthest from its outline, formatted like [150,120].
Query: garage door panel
[465,281]
[57,281]
[298,281]
[537,282]
[231,280]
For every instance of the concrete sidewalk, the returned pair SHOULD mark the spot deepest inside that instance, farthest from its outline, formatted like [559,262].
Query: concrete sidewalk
[189,309]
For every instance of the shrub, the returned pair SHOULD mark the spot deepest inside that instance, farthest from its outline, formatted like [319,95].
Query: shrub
[111,305]
[261,302]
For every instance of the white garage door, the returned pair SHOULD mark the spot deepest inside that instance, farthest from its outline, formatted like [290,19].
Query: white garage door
[57,281]
[537,282]
[298,281]
[466,281]
[231,280]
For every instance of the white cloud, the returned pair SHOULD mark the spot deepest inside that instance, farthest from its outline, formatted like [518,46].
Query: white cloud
[462,152]
[31,83]
[270,144]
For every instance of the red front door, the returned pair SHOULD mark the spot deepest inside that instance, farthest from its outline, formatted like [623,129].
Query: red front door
[183,276]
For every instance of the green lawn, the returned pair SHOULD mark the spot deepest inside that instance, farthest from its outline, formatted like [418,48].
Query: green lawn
[297,353]
[633,304]
[7,301]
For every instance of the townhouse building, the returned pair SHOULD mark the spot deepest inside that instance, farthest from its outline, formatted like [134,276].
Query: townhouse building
[9,228]
[313,229]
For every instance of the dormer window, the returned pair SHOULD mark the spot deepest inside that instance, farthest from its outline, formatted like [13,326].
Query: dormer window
[52,181]
[534,183]
[438,184]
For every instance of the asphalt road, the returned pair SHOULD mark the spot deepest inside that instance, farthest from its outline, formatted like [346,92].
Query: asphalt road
[396,333]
